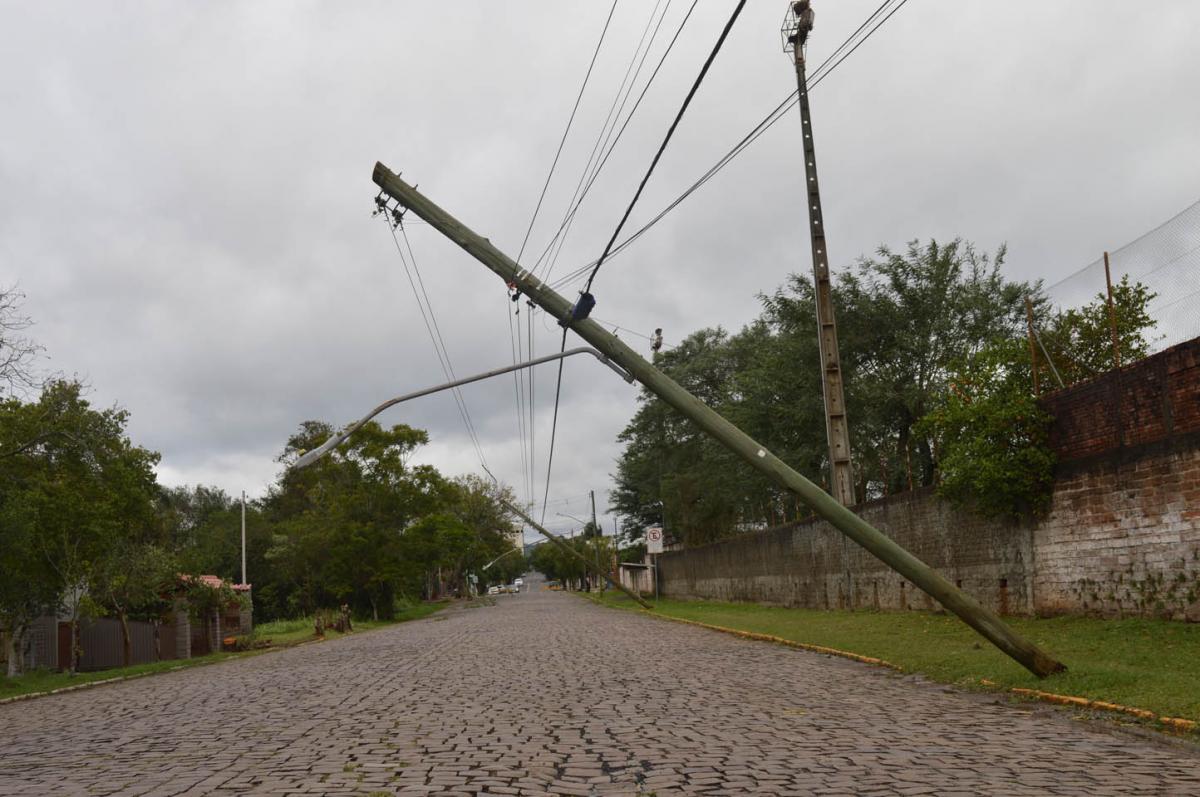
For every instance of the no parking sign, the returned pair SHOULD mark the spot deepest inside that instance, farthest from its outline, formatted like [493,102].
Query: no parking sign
[654,540]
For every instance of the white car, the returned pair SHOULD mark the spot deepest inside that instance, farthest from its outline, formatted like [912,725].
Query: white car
[519,582]
[493,590]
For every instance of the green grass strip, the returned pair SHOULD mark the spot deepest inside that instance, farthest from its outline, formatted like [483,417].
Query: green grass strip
[273,636]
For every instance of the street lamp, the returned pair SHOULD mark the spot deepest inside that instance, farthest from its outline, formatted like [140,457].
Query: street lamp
[309,457]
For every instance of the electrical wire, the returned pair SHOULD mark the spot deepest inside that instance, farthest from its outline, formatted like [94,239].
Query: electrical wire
[610,122]
[520,404]
[570,121]
[622,97]
[435,336]
[667,139]
[766,123]
[445,351]
[554,426]
[531,373]
[574,209]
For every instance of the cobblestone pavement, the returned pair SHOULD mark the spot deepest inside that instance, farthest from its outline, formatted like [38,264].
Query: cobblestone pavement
[545,693]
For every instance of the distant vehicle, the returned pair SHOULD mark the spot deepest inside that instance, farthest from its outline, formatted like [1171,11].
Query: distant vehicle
[514,587]
[493,590]
[519,582]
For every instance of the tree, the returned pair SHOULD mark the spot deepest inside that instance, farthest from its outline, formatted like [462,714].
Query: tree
[74,487]
[992,435]
[1079,340]
[904,318]
[17,352]
[135,578]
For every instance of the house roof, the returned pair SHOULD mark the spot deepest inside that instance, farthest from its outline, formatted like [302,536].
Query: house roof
[216,582]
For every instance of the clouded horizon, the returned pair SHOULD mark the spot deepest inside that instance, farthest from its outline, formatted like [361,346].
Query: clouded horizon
[186,192]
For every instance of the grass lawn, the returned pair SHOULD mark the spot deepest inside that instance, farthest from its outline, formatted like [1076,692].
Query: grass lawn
[273,635]
[1147,664]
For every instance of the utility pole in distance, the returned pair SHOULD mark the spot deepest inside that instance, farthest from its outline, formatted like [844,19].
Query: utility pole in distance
[599,537]
[796,27]
[243,536]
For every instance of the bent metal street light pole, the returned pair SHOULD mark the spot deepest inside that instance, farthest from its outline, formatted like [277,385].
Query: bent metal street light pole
[983,620]
[310,457]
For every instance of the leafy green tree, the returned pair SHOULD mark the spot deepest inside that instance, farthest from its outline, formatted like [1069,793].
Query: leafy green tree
[905,319]
[1079,340]
[75,487]
[135,578]
[992,436]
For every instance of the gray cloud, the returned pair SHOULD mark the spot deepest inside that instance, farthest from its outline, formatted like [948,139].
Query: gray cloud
[185,191]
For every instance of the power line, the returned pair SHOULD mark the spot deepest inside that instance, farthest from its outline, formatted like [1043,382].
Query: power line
[525,470]
[601,141]
[766,123]
[554,426]
[667,139]
[528,459]
[445,351]
[530,371]
[435,335]
[608,149]
[617,106]
[570,121]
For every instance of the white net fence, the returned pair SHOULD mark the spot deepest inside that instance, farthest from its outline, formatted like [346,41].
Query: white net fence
[1167,261]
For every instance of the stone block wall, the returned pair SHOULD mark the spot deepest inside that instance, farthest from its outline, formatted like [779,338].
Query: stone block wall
[1123,538]
[811,564]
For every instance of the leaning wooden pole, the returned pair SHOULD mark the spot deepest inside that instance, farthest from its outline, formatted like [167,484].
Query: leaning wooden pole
[586,564]
[757,456]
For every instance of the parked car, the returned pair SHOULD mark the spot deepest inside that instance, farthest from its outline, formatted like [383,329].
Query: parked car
[493,590]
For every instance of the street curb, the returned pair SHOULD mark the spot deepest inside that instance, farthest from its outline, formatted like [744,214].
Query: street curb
[105,681]
[1173,723]
[791,643]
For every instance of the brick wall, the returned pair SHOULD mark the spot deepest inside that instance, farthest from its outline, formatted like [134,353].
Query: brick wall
[1153,400]
[1122,536]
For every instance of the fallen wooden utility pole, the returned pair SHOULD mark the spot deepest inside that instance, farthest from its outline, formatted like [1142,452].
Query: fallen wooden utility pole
[586,564]
[880,545]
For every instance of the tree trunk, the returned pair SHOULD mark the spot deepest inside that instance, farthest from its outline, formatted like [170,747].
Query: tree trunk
[73,659]
[374,608]
[126,641]
[16,639]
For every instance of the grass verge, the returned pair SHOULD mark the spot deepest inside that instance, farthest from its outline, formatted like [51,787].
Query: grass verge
[1146,664]
[268,636]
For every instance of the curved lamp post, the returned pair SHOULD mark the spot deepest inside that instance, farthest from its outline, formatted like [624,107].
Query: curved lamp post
[309,457]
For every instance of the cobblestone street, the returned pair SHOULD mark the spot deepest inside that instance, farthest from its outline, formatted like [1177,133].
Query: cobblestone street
[545,693]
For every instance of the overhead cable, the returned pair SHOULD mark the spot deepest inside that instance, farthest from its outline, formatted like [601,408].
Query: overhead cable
[610,121]
[570,121]
[435,336]
[767,122]
[667,139]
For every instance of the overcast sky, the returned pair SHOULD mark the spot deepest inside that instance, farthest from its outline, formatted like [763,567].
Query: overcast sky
[185,191]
